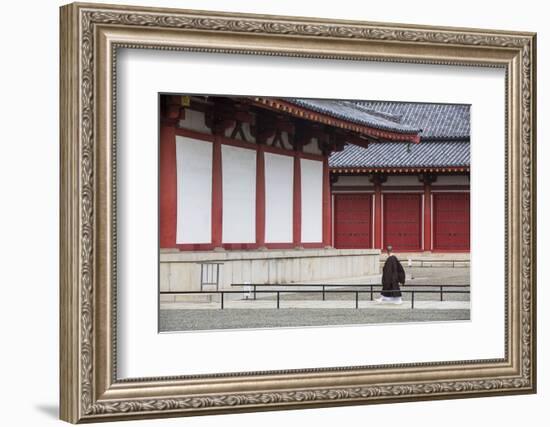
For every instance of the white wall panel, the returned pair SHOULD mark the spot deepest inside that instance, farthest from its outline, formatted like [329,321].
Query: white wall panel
[360,180]
[402,180]
[239,195]
[312,148]
[312,201]
[451,180]
[279,184]
[194,120]
[194,190]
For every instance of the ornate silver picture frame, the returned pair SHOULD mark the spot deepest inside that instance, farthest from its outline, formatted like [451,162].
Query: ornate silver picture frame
[91,37]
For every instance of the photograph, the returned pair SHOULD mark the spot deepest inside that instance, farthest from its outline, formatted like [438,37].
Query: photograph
[294,212]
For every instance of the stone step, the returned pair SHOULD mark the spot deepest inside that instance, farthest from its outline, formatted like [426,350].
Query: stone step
[186,298]
[449,263]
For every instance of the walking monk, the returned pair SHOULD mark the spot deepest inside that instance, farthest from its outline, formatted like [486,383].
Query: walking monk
[392,275]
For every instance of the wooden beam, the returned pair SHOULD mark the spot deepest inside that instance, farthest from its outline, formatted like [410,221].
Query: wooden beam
[260,196]
[297,202]
[167,187]
[327,206]
[217,195]
[427,216]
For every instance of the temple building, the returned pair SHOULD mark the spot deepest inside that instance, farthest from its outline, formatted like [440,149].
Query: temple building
[294,190]
[415,197]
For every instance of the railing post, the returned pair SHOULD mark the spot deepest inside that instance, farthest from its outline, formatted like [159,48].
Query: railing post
[278,297]
[254,291]
[412,299]
[222,299]
[371,293]
[202,276]
[323,292]
[356,299]
[441,293]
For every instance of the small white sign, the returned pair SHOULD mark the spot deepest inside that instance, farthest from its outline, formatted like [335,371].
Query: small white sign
[247,290]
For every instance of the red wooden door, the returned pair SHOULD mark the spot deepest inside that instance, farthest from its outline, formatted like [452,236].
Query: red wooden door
[451,217]
[353,221]
[402,221]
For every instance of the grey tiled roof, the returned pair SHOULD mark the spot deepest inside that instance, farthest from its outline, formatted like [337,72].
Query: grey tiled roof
[444,131]
[357,113]
[437,121]
[399,154]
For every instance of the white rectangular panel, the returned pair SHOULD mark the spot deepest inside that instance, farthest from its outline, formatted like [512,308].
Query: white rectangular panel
[194,190]
[239,194]
[312,201]
[279,185]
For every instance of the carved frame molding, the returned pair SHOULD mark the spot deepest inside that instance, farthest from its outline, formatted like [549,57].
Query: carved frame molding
[90,36]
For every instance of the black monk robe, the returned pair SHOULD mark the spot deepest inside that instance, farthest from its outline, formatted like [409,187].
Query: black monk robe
[390,277]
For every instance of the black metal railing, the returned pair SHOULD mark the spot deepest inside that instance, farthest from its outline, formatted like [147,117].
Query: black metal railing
[324,286]
[323,291]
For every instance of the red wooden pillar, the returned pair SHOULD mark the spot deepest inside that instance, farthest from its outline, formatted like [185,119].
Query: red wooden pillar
[377,216]
[260,196]
[427,217]
[297,202]
[217,201]
[327,206]
[378,180]
[167,186]
[427,179]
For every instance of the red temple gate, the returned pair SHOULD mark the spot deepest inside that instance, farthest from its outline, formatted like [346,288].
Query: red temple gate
[353,221]
[402,221]
[451,218]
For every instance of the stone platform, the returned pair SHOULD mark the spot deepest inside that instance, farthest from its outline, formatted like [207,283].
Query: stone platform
[181,271]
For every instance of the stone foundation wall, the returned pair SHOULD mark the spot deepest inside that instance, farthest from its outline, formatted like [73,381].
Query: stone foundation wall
[180,271]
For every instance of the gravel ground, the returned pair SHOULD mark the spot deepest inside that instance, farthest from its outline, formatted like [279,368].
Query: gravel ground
[193,320]
[438,275]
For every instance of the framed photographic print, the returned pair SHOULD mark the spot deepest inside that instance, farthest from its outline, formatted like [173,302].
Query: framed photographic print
[273,212]
[267,212]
